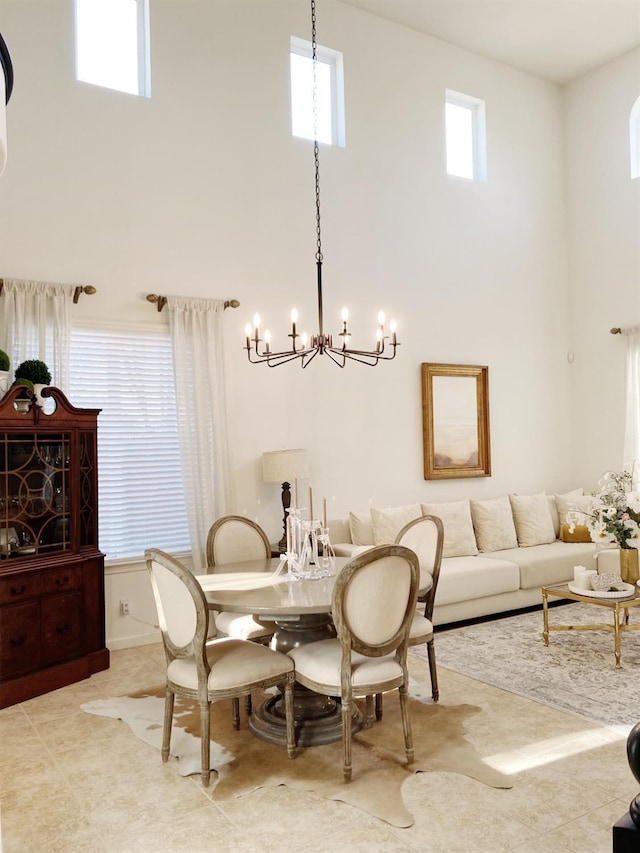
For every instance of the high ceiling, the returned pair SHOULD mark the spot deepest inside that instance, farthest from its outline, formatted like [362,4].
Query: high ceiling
[554,39]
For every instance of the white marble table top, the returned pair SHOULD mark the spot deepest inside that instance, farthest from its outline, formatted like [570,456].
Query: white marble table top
[252,587]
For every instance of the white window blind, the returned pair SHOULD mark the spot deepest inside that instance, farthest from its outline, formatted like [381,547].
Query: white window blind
[129,375]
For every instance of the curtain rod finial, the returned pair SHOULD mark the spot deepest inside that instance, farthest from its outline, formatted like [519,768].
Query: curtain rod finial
[160,301]
[616,331]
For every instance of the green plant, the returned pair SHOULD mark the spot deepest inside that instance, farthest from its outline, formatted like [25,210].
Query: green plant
[34,370]
[5,362]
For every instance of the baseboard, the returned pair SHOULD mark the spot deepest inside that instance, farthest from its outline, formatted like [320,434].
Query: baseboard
[135,640]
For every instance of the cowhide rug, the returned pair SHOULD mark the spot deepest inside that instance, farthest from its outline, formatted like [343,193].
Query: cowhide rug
[244,763]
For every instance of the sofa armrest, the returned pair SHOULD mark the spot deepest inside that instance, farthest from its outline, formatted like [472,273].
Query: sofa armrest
[348,549]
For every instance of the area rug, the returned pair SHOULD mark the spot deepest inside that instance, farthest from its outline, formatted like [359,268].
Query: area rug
[244,763]
[575,673]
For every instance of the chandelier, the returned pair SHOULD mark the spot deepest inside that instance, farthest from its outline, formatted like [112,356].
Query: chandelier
[303,348]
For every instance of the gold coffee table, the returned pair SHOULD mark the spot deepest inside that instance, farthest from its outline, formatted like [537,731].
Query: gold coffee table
[619,606]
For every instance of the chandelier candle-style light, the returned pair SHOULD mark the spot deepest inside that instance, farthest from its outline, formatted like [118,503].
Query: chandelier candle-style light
[302,347]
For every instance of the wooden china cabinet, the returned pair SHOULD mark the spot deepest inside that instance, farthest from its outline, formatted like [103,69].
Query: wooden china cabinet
[52,621]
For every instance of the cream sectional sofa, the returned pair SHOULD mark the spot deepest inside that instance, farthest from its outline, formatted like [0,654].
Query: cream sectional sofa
[497,553]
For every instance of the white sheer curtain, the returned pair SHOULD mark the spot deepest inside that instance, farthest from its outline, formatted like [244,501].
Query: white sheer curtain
[35,322]
[632,428]
[196,332]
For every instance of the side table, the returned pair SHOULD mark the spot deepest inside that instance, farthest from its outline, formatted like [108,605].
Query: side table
[619,606]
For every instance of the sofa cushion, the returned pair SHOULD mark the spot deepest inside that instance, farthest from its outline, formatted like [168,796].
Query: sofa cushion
[464,578]
[549,563]
[580,503]
[580,533]
[553,506]
[361,528]
[532,519]
[493,524]
[387,523]
[459,538]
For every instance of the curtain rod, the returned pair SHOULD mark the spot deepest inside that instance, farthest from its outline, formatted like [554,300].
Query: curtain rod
[89,289]
[161,301]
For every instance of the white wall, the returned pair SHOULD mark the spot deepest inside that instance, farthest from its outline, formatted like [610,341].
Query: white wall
[603,207]
[202,191]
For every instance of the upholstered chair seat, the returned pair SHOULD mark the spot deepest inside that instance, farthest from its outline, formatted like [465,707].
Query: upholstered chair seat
[208,670]
[425,537]
[373,602]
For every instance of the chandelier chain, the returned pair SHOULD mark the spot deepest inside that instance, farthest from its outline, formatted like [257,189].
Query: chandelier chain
[304,349]
[316,147]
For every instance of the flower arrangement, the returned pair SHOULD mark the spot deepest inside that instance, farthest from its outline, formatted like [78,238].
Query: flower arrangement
[614,515]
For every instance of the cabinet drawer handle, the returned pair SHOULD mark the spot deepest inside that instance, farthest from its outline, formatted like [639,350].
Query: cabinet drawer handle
[18,590]
[17,641]
[62,581]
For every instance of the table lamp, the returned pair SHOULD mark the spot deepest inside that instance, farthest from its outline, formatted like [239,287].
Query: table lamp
[284,466]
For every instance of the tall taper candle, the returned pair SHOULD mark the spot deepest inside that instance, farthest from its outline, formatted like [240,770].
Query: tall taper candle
[310,504]
[295,493]
[324,512]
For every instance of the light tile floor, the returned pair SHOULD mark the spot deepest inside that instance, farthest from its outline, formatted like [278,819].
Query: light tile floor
[70,781]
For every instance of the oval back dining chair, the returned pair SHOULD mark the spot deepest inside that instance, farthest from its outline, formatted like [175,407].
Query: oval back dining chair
[234,539]
[373,602]
[207,671]
[425,537]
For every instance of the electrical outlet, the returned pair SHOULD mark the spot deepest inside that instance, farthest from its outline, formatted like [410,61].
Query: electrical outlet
[124,607]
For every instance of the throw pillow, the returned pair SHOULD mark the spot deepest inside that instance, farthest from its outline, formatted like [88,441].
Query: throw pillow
[360,528]
[565,503]
[553,506]
[459,538]
[387,523]
[581,533]
[532,518]
[493,524]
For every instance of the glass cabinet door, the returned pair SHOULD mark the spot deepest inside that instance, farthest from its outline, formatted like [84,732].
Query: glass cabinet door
[35,514]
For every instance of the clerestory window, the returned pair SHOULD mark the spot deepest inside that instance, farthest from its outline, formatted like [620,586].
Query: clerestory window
[112,44]
[329,89]
[634,139]
[465,135]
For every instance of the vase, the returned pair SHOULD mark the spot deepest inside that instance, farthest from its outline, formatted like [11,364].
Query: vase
[629,565]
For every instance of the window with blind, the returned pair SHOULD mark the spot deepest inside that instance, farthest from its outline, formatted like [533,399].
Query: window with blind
[129,375]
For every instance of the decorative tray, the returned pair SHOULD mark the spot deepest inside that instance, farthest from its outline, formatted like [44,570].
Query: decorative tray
[627,592]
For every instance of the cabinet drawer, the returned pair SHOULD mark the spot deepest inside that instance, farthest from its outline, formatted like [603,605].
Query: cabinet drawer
[19,588]
[19,639]
[61,627]
[61,580]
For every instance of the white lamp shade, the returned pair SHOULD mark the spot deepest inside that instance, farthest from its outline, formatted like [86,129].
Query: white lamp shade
[284,466]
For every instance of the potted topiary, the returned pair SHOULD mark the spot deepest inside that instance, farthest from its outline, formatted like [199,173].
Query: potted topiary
[5,364]
[35,371]
[23,401]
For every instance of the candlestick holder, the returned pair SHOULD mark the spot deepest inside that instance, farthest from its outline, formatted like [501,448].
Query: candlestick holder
[309,554]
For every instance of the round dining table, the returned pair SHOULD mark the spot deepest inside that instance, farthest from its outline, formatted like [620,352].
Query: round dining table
[301,610]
